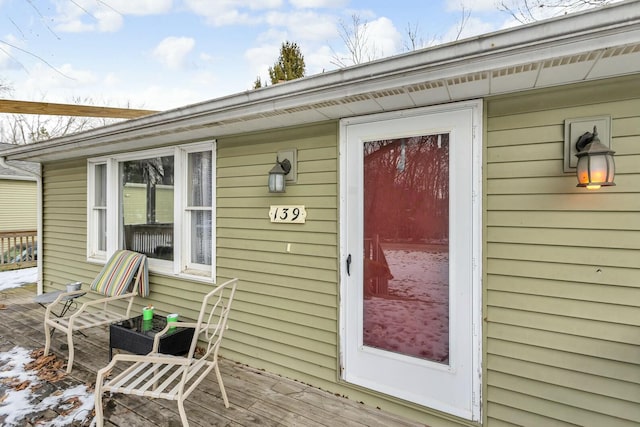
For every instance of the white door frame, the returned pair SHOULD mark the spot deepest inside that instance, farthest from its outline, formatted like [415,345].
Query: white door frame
[474,108]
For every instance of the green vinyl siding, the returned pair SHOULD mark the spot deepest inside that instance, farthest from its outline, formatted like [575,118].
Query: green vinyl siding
[18,205]
[64,224]
[287,311]
[561,294]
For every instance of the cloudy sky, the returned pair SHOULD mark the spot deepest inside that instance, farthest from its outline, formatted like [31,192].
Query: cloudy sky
[161,54]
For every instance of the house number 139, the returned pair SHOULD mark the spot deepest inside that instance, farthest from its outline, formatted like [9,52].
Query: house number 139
[288,214]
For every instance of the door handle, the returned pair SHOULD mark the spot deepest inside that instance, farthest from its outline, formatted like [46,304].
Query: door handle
[349,265]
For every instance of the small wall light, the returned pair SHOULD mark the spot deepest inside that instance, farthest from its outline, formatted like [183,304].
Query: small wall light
[277,174]
[595,167]
[587,151]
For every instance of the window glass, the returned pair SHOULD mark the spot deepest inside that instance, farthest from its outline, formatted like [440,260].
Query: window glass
[199,206]
[147,199]
[200,182]
[100,205]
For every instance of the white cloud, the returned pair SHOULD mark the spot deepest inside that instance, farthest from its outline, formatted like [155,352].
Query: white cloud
[231,12]
[383,37]
[90,15]
[319,60]
[173,51]
[164,98]
[64,77]
[304,25]
[7,52]
[262,57]
[473,5]
[112,80]
[137,7]
[307,4]
[108,21]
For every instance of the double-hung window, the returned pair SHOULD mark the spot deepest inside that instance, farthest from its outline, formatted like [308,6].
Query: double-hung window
[157,202]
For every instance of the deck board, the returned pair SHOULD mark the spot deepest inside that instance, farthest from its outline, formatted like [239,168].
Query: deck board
[257,398]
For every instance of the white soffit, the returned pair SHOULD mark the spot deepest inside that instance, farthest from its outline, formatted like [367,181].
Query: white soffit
[468,86]
[393,99]
[514,78]
[434,92]
[567,69]
[615,59]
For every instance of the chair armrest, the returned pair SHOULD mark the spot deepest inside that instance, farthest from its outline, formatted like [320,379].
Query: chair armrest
[59,299]
[98,302]
[156,339]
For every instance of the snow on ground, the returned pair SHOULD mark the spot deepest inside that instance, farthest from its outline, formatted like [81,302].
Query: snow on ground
[23,394]
[16,278]
[26,396]
[413,318]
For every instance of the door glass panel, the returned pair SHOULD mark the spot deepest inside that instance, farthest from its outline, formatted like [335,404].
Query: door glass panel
[406,246]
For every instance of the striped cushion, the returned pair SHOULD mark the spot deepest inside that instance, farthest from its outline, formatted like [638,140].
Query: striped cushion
[118,272]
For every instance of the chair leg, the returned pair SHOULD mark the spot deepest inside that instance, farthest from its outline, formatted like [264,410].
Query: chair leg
[47,339]
[220,383]
[98,402]
[183,413]
[71,350]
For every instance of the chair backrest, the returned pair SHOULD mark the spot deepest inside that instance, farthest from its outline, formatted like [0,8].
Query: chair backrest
[212,319]
[117,275]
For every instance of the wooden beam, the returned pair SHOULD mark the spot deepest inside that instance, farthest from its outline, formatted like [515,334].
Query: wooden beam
[48,108]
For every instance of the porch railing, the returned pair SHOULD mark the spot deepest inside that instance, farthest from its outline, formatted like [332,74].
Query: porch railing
[18,249]
[153,240]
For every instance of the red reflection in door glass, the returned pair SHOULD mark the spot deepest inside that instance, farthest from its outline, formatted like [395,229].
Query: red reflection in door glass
[406,246]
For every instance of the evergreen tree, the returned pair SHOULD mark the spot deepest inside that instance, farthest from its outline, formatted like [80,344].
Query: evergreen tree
[290,64]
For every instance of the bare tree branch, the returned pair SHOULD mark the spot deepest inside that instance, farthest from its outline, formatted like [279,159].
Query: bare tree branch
[526,11]
[355,37]
[464,18]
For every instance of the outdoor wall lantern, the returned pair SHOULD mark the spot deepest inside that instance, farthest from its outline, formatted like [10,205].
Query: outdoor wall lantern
[586,155]
[277,183]
[283,171]
[596,167]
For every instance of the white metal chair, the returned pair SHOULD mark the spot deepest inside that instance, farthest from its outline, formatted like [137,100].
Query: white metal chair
[123,277]
[169,377]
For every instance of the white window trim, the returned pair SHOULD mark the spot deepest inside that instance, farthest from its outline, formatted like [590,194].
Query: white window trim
[92,235]
[180,266]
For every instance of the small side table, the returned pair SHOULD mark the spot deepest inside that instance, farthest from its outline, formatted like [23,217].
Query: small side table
[49,297]
[136,336]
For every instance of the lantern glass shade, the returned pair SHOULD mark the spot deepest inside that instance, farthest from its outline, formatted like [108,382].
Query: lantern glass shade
[276,182]
[596,167]
[277,176]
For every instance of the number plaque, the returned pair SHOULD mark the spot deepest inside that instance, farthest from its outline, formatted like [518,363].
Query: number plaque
[288,214]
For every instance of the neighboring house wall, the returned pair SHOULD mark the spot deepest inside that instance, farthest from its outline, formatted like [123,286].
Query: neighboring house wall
[562,295]
[18,204]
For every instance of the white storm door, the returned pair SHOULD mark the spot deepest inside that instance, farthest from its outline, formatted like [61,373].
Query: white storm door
[410,229]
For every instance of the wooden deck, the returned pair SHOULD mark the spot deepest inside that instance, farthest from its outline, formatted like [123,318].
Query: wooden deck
[257,398]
